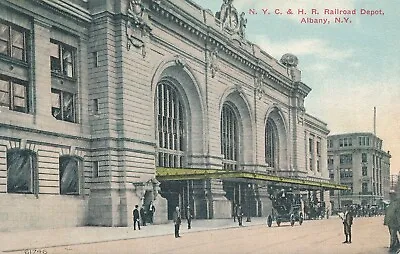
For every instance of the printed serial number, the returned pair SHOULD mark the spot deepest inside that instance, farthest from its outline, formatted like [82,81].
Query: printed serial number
[35,251]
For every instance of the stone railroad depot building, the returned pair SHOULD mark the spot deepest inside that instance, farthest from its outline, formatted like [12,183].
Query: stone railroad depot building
[111,103]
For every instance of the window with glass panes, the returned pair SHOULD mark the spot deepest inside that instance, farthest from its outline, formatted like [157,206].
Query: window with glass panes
[13,94]
[12,41]
[63,105]
[363,157]
[21,171]
[64,84]
[364,171]
[170,126]
[69,175]
[62,58]
[270,143]
[229,137]
[364,188]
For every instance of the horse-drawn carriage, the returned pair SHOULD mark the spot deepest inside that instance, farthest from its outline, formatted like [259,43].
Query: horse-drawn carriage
[286,207]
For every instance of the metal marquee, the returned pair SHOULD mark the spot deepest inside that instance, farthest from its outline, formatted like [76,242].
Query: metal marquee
[180,174]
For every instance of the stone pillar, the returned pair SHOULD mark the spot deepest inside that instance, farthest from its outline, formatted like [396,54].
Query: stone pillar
[266,203]
[103,204]
[220,205]
[200,201]
[161,205]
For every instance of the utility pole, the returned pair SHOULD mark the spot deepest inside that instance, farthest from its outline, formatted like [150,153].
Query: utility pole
[338,177]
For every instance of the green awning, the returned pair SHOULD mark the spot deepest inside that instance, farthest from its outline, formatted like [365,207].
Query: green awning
[179,174]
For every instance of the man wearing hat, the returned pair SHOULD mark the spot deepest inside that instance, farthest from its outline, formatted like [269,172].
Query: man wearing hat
[347,219]
[392,220]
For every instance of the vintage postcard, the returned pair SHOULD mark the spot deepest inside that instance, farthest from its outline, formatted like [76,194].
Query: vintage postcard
[199,126]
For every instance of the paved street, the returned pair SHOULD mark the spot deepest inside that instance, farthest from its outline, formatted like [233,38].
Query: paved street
[320,236]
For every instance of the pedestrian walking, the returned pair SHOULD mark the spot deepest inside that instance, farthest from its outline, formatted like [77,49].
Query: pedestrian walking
[392,220]
[239,215]
[189,216]
[347,218]
[143,216]
[177,221]
[136,217]
[235,207]
[152,211]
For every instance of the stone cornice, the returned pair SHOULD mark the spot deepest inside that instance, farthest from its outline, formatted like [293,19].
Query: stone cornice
[316,124]
[66,7]
[206,31]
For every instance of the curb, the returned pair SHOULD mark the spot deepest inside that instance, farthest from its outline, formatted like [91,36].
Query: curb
[124,239]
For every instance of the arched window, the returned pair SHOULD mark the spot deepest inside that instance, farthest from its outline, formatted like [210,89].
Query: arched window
[21,171]
[69,175]
[271,144]
[170,126]
[229,138]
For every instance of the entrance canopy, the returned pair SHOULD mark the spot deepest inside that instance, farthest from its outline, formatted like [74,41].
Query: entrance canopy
[179,174]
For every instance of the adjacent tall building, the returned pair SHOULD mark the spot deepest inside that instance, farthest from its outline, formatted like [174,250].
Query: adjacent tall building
[97,95]
[358,161]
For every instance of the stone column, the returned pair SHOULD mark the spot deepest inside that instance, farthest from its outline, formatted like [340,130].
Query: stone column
[220,205]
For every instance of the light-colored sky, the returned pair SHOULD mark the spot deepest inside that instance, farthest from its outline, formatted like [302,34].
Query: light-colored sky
[351,67]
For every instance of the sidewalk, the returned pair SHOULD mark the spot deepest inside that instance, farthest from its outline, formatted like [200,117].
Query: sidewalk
[41,239]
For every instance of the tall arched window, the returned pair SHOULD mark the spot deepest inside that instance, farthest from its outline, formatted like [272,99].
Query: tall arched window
[271,144]
[229,138]
[170,126]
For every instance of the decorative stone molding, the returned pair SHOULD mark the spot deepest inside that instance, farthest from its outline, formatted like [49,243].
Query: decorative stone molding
[22,144]
[239,89]
[180,61]
[258,83]
[291,61]
[165,12]
[230,20]
[137,27]
[152,185]
[301,110]
[213,62]
[242,25]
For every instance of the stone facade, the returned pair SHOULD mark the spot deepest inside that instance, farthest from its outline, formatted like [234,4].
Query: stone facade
[358,160]
[80,111]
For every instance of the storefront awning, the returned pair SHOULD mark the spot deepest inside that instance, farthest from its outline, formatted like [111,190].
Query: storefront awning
[179,174]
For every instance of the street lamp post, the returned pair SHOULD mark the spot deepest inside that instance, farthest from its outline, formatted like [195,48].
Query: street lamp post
[338,177]
[248,203]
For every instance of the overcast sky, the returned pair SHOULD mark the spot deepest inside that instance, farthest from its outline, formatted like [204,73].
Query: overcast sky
[351,67]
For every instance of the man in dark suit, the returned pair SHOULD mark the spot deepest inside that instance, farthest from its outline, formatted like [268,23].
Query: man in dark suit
[177,221]
[347,223]
[136,217]
[189,216]
[239,215]
[143,216]
[235,207]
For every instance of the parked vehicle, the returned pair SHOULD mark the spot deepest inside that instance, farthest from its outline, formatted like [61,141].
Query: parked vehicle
[285,207]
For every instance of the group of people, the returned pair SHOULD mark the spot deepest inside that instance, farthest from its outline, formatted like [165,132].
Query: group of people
[177,217]
[392,220]
[367,210]
[143,216]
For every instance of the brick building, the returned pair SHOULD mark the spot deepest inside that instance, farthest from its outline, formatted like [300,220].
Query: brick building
[95,96]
